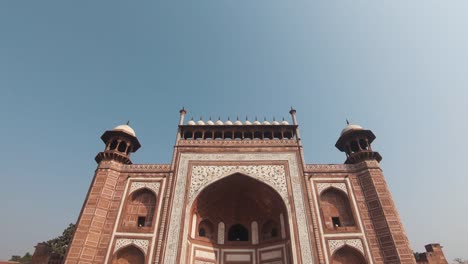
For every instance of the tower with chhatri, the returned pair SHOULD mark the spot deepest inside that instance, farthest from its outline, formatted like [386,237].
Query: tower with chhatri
[239,192]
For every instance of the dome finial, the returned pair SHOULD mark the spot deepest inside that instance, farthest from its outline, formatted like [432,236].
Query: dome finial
[128,122]
[347,122]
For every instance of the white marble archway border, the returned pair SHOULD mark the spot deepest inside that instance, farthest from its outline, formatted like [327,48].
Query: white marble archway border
[253,171]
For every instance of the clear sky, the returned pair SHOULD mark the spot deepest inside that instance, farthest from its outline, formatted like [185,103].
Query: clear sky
[69,70]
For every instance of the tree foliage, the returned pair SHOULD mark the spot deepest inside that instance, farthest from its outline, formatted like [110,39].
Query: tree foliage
[59,245]
[26,259]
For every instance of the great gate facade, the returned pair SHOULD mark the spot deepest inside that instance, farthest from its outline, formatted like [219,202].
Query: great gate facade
[239,192]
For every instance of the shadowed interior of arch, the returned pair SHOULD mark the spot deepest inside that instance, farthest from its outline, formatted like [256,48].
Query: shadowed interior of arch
[237,201]
[348,255]
[336,209]
[129,255]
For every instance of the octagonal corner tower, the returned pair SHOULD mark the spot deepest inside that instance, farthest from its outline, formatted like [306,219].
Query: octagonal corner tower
[239,192]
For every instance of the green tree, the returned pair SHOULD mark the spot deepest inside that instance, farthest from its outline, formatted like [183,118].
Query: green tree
[59,245]
[26,259]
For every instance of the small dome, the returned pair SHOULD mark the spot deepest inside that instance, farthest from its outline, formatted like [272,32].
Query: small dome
[238,123]
[228,122]
[200,122]
[256,122]
[219,122]
[209,122]
[275,123]
[284,122]
[125,128]
[351,127]
[247,122]
[266,123]
[191,123]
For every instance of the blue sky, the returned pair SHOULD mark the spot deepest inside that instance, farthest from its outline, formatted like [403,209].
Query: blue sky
[71,70]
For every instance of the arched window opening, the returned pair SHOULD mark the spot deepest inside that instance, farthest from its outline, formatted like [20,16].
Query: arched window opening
[140,209]
[336,209]
[198,135]
[238,233]
[258,135]
[363,144]
[348,255]
[205,229]
[202,232]
[270,230]
[113,145]
[188,135]
[228,135]
[122,146]
[218,135]
[354,146]
[238,135]
[129,255]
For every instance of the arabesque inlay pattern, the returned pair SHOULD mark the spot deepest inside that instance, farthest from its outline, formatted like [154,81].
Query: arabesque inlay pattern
[154,186]
[202,176]
[334,245]
[179,202]
[338,185]
[140,243]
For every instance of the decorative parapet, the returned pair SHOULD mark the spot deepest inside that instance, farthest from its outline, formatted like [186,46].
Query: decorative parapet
[154,168]
[249,142]
[344,168]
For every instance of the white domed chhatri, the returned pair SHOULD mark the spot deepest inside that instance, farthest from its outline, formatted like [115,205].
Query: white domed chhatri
[275,122]
[284,122]
[200,122]
[238,122]
[125,128]
[247,122]
[209,122]
[351,127]
[191,122]
[219,122]
[228,122]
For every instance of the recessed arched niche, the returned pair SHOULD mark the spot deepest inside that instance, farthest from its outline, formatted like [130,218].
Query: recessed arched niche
[348,255]
[239,213]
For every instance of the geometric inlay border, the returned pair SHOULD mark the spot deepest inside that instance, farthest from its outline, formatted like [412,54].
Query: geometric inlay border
[202,176]
[338,185]
[140,243]
[337,244]
[154,186]
[182,193]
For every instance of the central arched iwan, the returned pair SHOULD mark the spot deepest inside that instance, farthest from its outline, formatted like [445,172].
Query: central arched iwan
[250,213]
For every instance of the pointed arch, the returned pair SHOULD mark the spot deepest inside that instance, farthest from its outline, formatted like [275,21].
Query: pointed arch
[336,209]
[130,254]
[140,209]
[347,254]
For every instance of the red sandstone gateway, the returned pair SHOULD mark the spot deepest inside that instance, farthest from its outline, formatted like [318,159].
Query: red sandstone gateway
[239,192]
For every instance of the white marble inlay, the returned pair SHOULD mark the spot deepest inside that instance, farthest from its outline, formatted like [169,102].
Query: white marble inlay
[154,186]
[140,243]
[237,257]
[271,255]
[334,245]
[338,185]
[205,254]
[172,245]
[221,233]
[254,233]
